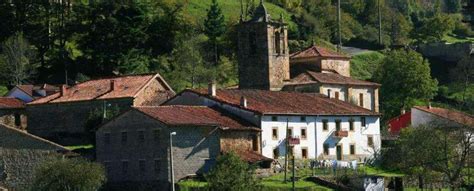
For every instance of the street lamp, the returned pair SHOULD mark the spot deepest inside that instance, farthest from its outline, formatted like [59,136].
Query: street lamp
[171,160]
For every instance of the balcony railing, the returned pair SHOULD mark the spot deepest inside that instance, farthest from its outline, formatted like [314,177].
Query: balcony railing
[341,133]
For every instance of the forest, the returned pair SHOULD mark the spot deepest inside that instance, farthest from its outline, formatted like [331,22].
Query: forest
[191,42]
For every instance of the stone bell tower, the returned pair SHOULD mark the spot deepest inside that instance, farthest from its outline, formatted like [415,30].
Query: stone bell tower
[263,53]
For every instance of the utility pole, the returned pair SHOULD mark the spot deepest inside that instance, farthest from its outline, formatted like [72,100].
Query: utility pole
[339,43]
[286,149]
[380,22]
[294,178]
[171,160]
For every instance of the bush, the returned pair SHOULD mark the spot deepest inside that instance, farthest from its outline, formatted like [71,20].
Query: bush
[231,174]
[69,174]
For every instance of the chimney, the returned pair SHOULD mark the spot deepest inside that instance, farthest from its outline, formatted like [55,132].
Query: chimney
[329,93]
[211,89]
[63,89]
[113,85]
[429,105]
[243,102]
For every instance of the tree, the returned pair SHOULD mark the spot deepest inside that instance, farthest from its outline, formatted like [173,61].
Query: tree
[435,28]
[17,54]
[231,174]
[453,6]
[214,27]
[433,152]
[405,78]
[464,73]
[68,174]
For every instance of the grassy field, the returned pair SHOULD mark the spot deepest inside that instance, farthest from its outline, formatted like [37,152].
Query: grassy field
[197,9]
[364,65]
[456,39]
[3,90]
[75,147]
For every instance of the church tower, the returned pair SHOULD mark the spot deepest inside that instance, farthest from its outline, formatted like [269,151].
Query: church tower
[263,53]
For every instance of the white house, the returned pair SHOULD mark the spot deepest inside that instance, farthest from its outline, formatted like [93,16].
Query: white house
[425,115]
[328,128]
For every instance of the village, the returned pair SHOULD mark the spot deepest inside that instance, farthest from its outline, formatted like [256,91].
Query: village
[298,119]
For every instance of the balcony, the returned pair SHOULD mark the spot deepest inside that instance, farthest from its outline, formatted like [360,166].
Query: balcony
[341,133]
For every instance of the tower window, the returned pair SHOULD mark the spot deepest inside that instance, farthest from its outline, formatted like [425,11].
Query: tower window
[277,43]
[361,99]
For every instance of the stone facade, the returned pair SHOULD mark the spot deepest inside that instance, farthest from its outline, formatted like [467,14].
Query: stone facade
[14,118]
[319,64]
[263,54]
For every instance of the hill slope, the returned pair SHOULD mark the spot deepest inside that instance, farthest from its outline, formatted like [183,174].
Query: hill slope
[231,9]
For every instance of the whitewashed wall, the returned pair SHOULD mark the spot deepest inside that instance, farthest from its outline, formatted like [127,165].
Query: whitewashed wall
[316,137]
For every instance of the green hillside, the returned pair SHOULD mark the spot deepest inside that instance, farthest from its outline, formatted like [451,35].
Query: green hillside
[197,9]
[364,65]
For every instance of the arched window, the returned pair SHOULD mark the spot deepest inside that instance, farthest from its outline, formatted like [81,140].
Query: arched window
[277,43]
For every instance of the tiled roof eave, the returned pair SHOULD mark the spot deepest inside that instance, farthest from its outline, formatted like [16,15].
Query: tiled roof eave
[78,101]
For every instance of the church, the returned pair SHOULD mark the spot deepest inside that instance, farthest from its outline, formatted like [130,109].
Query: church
[265,63]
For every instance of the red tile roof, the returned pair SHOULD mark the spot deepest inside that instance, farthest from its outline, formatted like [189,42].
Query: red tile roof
[11,103]
[250,156]
[289,103]
[196,115]
[317,51]
[453,115]
[99,89]
[328,78]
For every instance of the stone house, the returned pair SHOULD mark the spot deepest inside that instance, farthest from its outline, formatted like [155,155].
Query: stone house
[28,93]
[327,128]
[320,59]
[20,154]
[12,112]
[62,116]
[135,146]
[358,92]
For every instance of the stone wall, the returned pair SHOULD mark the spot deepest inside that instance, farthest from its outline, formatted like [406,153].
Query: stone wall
[9,117]
[194,149]
[12,138]
[19,166]
[64,123]
[153,94]
[239,140]
[448,52]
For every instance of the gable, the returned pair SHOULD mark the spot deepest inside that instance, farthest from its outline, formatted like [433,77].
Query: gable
[11,138]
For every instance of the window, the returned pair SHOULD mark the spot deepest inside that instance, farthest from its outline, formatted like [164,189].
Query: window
[361,99]
[326,149]
[274,118]
[141,165]
[303,133]
[329,93]
[370,141]
[289,132]
[255,143]
[275,133]
[157,165]
[303,118]
[325,125]
[336,95]
[277,43]
[17,119]
[304,153]
[124,137]
[352,149]
[338,125]
[252,43]
[141,136]
[124,167]
[362,122]
[107,138]
[351,124]
[276,153]
[156,135]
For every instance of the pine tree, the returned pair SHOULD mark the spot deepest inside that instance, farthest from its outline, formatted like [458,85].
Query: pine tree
[214,27]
